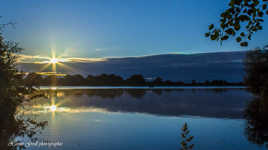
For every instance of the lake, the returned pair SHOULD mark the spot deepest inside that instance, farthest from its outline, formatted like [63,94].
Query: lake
[143,119]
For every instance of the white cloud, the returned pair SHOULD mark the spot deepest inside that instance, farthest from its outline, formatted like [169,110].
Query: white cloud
[99,49]
[42,59]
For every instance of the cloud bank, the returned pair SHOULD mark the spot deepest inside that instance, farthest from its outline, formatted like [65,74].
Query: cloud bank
[43,59]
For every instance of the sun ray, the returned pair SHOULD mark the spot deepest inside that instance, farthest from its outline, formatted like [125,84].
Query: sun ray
[67,67]
[53,107]
[54,67]
[53,62]
[45,67]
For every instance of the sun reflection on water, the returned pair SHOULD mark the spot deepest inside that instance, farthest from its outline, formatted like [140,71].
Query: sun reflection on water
[53,88]
[41,109]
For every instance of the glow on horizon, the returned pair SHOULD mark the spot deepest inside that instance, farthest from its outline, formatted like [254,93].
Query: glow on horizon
[41,109]
[53,62]
[36,59]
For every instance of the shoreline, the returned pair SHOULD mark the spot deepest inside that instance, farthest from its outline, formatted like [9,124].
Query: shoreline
[138,87]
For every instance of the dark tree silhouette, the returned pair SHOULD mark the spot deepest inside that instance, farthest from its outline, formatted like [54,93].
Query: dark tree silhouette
[112,80]
[241,20]
[136,80]
[14,92]
[158,81]
[32,79]
[256,67]
[194,82]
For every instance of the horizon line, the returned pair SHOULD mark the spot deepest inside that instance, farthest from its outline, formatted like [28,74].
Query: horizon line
[33,59]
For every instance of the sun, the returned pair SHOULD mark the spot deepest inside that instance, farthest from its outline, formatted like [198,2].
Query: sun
[53,108]
[53,60]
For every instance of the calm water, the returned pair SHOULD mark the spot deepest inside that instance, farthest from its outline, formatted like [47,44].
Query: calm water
[144,119]
[138,87]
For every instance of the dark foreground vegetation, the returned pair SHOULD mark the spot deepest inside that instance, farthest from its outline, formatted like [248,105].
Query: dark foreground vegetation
[13,125]
[115,80]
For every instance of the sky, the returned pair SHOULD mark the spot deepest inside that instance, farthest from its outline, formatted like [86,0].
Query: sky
[113,28]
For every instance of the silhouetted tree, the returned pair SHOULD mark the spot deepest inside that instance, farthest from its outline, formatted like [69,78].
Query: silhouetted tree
[13,92]
[136,80]
[158,81]
[78,79]
[109,80]
[33,79]
[207,82]
[256,67]
[91,80]
[194,82]
[241,20]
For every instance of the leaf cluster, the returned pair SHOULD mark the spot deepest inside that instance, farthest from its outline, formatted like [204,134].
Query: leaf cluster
[241,20]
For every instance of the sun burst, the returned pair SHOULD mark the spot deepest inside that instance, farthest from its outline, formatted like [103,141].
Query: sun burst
[54,60]
[53,108]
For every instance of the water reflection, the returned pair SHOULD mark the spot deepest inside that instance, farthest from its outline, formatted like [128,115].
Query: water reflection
[84,117]
[256,115]
[207,103]
[15,130]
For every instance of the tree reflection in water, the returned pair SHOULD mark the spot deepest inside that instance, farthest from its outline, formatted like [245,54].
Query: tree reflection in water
[172,102]
[256,115]
[16,128]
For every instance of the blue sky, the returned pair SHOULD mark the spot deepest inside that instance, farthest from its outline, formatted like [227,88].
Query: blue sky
[111,28]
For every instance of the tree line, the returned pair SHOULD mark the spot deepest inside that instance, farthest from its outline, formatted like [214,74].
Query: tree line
[114,80]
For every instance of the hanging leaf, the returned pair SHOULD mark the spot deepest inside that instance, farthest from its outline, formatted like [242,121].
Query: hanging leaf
[244,44]
[238,39]
[207,34]
[264,6]
[211,27]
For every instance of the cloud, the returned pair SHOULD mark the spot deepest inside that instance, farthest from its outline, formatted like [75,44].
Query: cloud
[21,58]
[51,74]
[84,60]
[99,49]
[44,60]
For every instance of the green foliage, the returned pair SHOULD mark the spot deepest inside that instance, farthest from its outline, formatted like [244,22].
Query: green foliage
[256,67]
[186,138]
[241,19]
